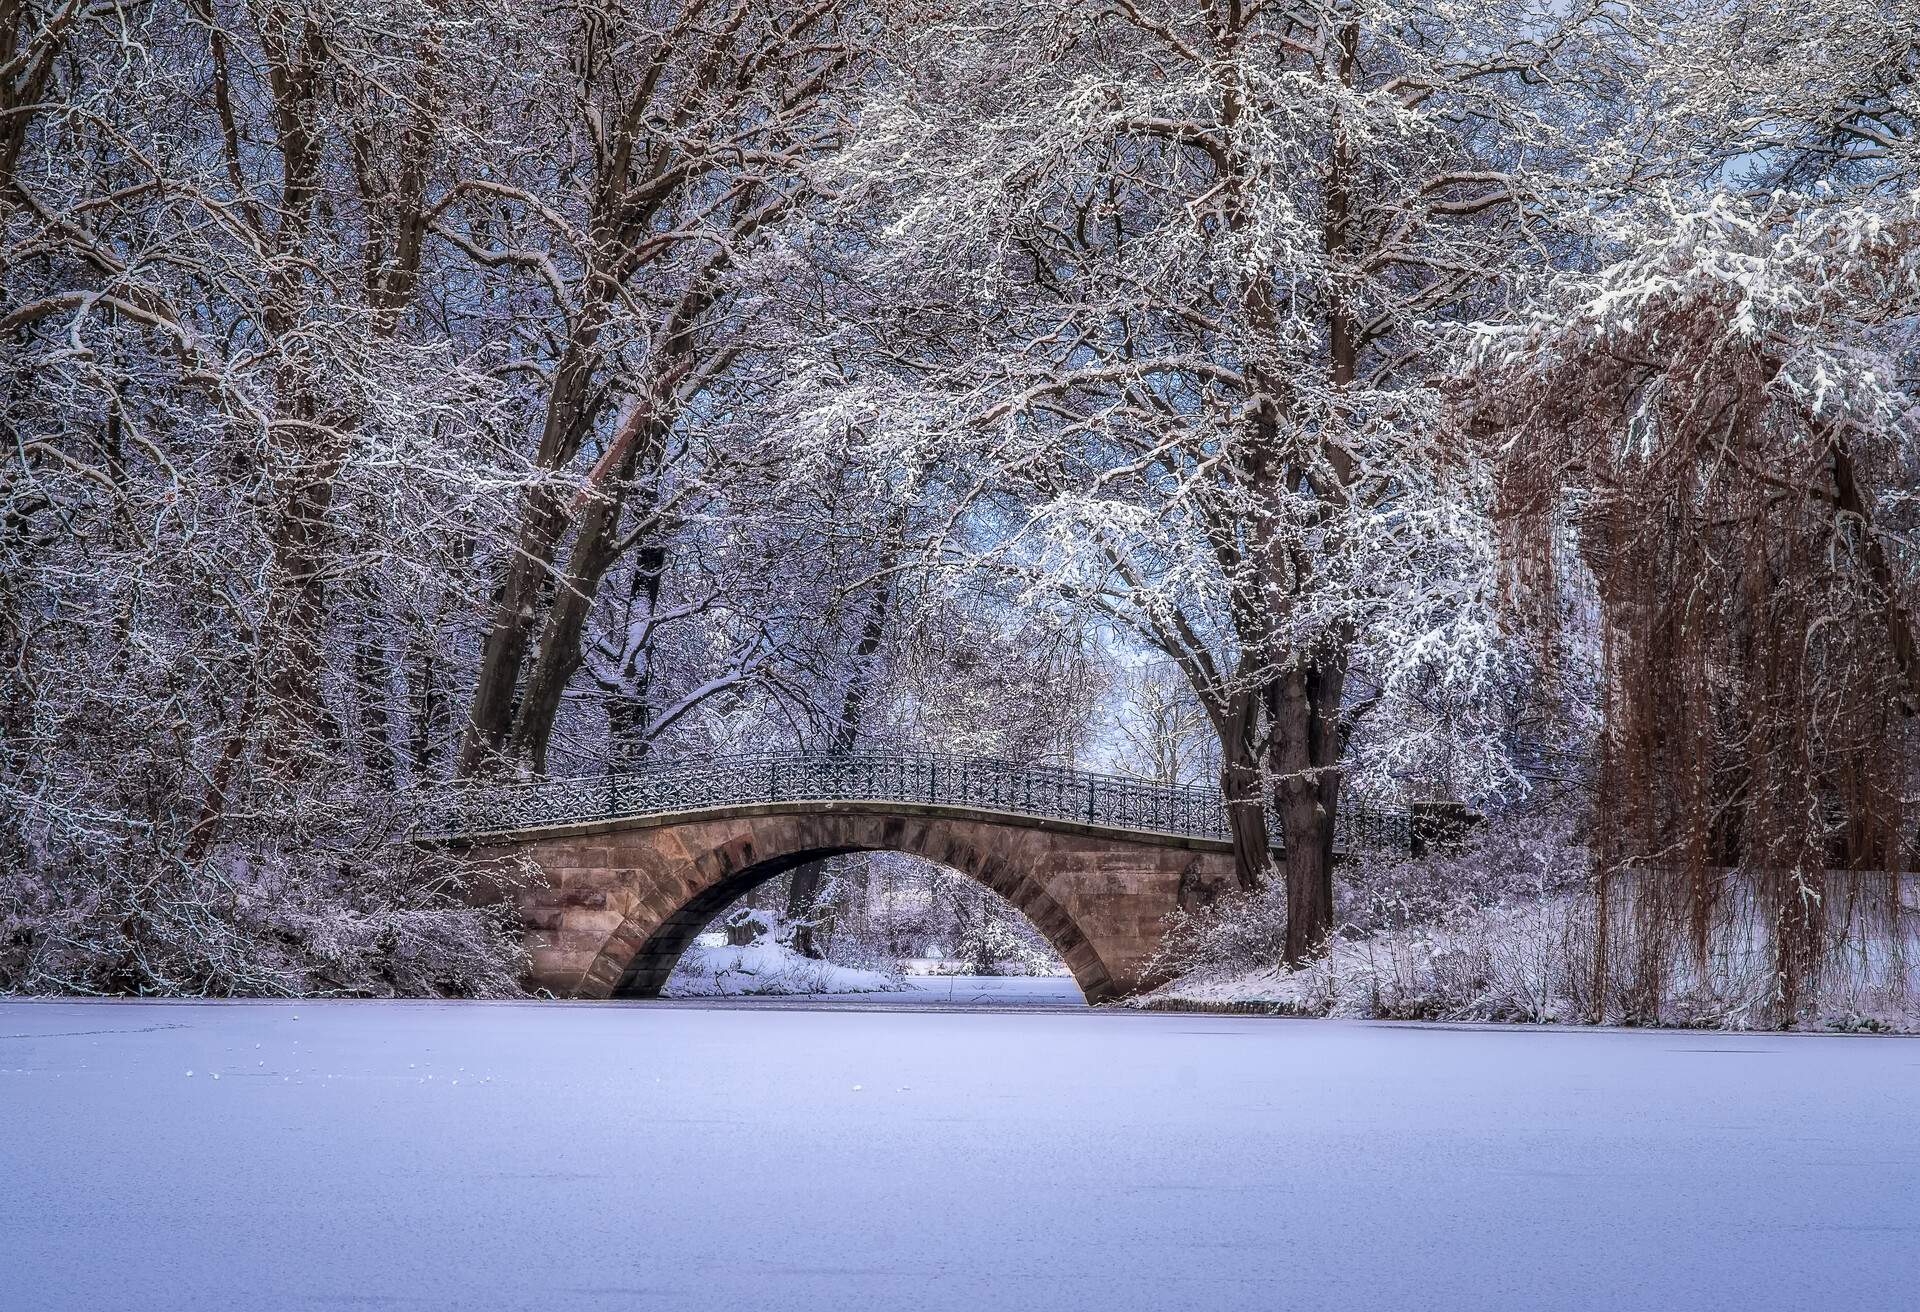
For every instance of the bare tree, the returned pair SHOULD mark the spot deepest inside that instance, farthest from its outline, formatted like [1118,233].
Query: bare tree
[1167,735]
[1157,300]
[683,133]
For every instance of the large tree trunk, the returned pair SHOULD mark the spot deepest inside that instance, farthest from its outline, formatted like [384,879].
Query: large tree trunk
[516,599]
[560,655]
[1309,736]
[292,636]
[499,719]
[315,435]
[1240,786]
[630,705]
[635,446]
[1308,742]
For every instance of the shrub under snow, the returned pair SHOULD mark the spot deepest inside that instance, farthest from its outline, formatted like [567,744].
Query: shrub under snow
[379,920]
[1509,931]
[768,967]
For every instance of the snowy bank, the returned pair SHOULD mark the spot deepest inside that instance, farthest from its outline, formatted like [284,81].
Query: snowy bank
[765,968]
[1530,961]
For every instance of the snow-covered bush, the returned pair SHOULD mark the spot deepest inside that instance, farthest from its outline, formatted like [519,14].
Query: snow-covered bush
[991,937]
[1487,932]
[1233,933]
[1521,857]
[769,967]
[1510,929]
[378,923]
[1513,961]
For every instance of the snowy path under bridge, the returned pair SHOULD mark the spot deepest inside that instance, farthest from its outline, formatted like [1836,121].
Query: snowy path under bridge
[639,1156]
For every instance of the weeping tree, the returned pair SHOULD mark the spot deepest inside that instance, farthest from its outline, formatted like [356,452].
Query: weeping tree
[1723,427]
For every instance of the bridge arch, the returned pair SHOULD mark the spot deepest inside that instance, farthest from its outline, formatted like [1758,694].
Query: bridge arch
[632,866]
[614,903]
[640,954]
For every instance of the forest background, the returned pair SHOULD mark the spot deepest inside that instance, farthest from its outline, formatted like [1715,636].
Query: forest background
[1509,403]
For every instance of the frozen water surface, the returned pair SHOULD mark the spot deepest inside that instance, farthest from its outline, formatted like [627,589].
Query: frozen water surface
[612,1156]
[965,992]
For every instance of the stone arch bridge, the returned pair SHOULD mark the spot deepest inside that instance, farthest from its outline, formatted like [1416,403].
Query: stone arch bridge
[630,867]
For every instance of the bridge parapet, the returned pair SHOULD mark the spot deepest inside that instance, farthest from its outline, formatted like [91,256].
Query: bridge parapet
[981,784]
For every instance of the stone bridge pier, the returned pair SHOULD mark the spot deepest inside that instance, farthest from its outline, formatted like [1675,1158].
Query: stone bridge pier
[612,904]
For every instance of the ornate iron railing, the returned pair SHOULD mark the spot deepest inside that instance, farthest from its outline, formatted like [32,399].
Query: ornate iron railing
[974,783]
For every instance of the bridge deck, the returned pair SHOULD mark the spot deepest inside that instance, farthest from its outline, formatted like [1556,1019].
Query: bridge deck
[976,784]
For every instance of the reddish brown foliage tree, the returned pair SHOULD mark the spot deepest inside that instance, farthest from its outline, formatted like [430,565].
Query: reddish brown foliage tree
[1713,423]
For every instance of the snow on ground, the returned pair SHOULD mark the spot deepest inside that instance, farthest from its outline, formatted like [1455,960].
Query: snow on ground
[560,1156]
[767,967]
[1517,961]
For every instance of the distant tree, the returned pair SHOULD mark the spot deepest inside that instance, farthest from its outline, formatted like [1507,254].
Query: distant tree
[1165,731]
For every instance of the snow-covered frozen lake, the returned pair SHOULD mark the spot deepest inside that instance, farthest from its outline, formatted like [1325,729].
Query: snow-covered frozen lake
[603,1156]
